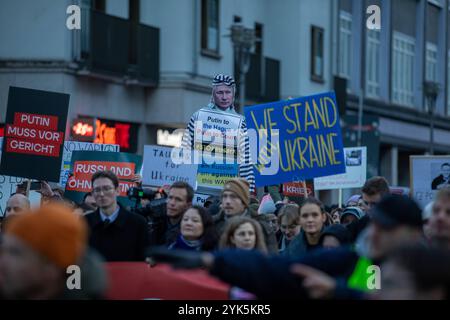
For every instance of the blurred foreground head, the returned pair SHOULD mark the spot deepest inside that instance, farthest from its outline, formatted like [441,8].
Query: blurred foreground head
[37,248]
[396,221]
[439,221]
[416,273]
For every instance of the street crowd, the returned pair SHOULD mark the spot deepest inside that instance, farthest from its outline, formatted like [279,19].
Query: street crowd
[377,246]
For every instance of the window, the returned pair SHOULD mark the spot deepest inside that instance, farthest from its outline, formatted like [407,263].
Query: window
[431,62]
[403,69]
[259,38]
[134,12]
[210,27]
[448,84]
[373,63]
[345,44]
[99,5]
[316,54]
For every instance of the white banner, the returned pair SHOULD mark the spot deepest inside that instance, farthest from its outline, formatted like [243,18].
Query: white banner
[428,175]
[355,172]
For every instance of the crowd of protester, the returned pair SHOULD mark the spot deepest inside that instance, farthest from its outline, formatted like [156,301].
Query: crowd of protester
[266,247]
[378,245]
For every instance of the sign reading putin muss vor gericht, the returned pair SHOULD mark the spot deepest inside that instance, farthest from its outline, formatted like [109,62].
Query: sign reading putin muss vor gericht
[295,139]
[34,134]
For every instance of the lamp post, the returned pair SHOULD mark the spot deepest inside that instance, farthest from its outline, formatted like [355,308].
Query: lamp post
[243,40]
[431,90]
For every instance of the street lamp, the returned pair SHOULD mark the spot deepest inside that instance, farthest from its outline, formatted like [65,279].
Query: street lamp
[243,40]
[431,90]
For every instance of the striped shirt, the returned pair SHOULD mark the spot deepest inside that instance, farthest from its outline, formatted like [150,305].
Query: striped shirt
[245,163]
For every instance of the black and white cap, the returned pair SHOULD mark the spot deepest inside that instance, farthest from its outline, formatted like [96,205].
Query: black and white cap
[223,79]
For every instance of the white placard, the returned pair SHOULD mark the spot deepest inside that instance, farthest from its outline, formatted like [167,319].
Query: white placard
[428,175]
[159,169]
[355,172]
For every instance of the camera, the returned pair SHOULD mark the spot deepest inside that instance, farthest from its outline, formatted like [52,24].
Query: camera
[156,208]
[140,193]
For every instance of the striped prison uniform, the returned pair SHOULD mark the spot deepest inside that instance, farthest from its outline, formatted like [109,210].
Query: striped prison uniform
[245,163]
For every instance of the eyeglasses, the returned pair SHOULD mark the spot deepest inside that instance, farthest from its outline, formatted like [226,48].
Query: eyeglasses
[105,189]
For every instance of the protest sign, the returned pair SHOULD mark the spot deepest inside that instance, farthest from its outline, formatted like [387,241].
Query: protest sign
[159,169]
[86,163]
[355,172]
[200,199]
[295,138]
[297,189]
[216,137]
[70,146]
[428,174]
[402,191]
[34,133]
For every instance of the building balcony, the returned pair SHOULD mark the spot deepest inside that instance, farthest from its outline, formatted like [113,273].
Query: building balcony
[119,48]
[262,82]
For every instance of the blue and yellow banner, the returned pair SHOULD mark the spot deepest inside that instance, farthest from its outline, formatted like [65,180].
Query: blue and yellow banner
[295,139]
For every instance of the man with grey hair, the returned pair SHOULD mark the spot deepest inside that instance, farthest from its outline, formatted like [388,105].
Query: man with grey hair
[222,101]
[16,204]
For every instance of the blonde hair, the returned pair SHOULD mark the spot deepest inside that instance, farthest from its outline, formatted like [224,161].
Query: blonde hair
[230,229]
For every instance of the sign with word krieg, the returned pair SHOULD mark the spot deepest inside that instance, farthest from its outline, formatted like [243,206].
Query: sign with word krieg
[159,169]
[297,189]
[70,146]
[86,163]
[355,172]
[216,139]
[34,134]
[428,174]
[299,137]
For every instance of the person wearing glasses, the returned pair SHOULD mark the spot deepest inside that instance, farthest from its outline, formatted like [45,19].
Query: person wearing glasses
[117,234]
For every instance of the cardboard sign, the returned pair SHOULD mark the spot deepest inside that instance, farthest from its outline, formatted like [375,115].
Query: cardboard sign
[428,175]
[70,146]
[34,134]
[200,199]
[86,163]
[159,169]
[299,137]
[297,189]
[216,139]
[355,175]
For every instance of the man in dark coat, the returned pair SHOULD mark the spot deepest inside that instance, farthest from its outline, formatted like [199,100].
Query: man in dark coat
[118,235]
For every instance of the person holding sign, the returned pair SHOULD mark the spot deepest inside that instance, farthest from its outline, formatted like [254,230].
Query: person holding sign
[220,115]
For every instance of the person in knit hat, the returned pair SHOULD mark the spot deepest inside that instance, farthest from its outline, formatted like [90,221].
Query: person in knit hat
[235,201]
[351,214]
[37,249]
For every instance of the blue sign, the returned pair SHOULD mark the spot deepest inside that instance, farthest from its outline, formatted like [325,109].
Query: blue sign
[296,139]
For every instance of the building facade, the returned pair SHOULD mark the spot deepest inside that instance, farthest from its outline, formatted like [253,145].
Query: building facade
[139,68]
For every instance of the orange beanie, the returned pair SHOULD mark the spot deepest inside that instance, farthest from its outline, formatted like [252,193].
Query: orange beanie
[52,231]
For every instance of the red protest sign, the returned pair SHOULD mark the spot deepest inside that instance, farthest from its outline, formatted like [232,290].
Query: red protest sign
[35,123]
[297,189]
